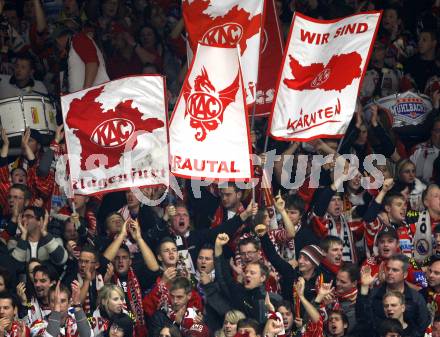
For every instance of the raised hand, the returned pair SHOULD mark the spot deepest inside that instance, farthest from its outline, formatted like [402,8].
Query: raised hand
[71,249]
[260,230]
[59,134]
[74,218]
[205,278]
[170,212]
[251,210]
[268,304]
[38,202]
[273,327]
[222,239]
[22,227]
[57,297]
[124,230]
[300,286]
[25,138]
[109,273]
[366,279]
[21,292]
[325,292]
[76,291]
[199,318]
[22,329]
[279,202]
[4,323]
[45,223]
[169,274]
[237,269]
[5,138]
[298,322]
[388,184]
[134,230]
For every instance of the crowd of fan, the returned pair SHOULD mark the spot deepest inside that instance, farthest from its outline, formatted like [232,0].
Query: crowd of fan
[307,262]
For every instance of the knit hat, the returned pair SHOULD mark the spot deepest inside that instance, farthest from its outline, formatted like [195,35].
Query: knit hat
[198,330]
[314,253]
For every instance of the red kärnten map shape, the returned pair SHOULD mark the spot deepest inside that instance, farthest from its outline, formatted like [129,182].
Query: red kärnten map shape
[203,23]
[339,73]
[86,114]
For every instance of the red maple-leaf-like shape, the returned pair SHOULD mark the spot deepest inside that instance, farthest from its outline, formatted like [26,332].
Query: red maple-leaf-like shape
[339,73]
[198,24]
[85,114]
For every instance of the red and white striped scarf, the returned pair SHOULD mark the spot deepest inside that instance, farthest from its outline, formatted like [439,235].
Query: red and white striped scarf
[15,330]
[134,295]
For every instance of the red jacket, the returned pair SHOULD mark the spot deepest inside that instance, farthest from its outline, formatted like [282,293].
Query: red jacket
[155,299]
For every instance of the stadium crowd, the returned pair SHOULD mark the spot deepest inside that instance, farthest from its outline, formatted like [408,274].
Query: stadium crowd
[301,261]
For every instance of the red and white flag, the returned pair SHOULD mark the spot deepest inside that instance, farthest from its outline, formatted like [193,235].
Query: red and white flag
[228,23]
[271,55]
[116,135]
[320,77]
[209,132]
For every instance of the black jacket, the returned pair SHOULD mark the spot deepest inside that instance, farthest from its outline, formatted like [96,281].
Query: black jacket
[290,275]
[248,301]
[369,310]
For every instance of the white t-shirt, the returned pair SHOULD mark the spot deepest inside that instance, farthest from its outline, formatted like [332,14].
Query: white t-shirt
[34,246]
[8,89]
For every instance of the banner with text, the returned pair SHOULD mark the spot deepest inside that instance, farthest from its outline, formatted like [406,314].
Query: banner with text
[116,135]
[209,131]
[322,70]
[228,23]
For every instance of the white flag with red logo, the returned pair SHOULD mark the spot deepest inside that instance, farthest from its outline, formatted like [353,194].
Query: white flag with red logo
[271,55]
[228,23]
[116,135]
[209,132]
[320,77]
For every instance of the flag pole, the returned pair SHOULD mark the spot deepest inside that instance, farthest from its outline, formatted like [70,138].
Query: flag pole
[256,84]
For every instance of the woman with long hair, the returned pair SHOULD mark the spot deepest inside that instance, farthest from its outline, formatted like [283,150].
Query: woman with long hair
[110,312]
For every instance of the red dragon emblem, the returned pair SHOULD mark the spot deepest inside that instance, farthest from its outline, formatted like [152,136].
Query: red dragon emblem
[205,105]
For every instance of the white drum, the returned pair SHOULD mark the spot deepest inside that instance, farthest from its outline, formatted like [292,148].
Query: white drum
[35,112]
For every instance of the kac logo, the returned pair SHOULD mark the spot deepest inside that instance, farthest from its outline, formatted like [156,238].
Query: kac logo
[113,132]
[226,35]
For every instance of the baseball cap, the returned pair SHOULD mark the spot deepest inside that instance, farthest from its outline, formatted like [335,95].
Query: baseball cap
[198,330]
[61,29]
[388,230]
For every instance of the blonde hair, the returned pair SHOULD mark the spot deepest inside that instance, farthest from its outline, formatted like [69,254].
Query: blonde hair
[232,316]
[401,164]
[106,292]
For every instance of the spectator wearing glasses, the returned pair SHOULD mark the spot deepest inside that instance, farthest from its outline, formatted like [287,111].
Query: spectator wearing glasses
[35,241]
[18,197]
[91,273]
